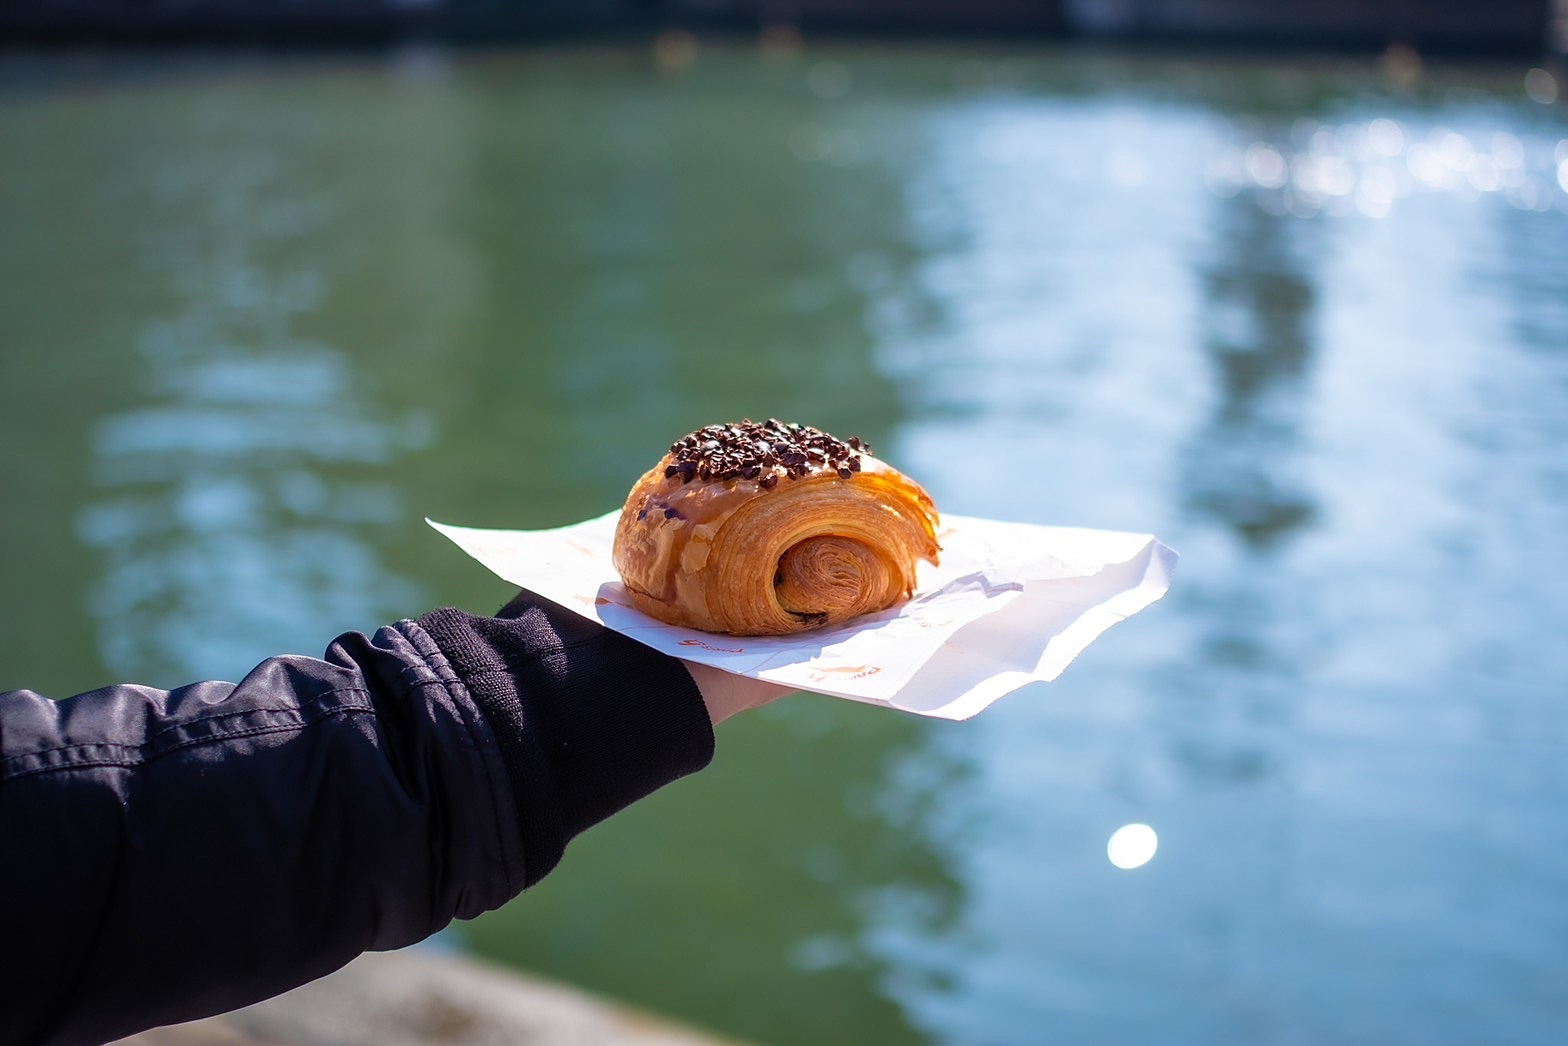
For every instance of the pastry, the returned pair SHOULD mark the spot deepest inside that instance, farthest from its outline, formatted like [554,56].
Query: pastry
[764,528]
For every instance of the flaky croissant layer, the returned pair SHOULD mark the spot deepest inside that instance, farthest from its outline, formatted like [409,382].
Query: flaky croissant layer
[775,542]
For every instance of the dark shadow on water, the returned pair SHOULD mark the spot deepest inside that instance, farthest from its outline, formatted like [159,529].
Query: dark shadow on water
[1258,299]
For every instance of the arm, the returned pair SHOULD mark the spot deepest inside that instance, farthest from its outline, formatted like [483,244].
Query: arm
[167,855]
[726,694]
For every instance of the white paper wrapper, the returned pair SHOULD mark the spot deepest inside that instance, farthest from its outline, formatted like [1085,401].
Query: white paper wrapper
[1011,604]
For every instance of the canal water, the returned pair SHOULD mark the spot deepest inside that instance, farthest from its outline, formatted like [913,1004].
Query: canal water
[1305,318]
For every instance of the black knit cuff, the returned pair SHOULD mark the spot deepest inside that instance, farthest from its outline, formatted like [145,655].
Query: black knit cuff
[589,721]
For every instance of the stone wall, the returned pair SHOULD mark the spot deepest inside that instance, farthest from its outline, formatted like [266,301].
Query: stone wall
[1477,26]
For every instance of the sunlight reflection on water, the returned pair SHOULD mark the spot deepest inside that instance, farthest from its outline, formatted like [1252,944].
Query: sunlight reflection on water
[1316,353]
[237,474]
[1132,846]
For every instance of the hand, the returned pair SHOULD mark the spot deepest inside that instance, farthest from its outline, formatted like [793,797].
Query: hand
[726,693]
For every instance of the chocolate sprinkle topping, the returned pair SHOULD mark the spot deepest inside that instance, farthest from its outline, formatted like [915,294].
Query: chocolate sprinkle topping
[762,451]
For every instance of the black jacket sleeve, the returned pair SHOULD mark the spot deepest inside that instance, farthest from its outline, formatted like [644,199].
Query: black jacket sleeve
[170,855]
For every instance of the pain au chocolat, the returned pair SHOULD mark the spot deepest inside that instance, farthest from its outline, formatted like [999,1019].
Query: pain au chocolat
[767,528]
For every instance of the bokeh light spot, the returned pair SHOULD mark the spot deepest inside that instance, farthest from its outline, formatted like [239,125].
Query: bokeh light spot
[1132,846]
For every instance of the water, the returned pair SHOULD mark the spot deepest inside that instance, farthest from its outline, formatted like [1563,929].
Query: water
[1306,319]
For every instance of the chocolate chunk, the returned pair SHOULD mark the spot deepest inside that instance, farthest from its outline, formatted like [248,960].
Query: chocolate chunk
[749,450]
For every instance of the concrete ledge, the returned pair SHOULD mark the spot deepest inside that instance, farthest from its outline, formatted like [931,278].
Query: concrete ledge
[424,996]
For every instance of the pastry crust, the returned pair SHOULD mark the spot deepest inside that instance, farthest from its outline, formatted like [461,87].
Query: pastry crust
[770,529]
